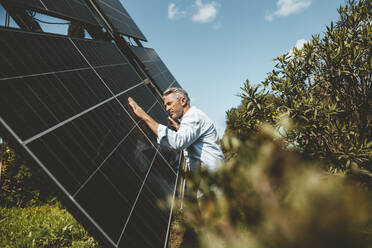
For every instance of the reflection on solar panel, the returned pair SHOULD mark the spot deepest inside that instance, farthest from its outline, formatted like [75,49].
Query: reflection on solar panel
[157,70]
[119,18]
[65,102]
[70,9]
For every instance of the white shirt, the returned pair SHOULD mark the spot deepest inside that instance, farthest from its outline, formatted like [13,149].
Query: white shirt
[197,136]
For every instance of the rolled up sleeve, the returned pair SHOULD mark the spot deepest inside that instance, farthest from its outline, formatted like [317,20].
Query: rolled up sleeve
[162,131]
[187,134]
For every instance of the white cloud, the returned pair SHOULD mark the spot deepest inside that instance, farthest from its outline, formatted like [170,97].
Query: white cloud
[205,12]
[174,12]
[198,12]
[299,45]
[288,7]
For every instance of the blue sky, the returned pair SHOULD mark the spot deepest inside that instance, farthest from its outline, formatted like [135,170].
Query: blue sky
[213,46]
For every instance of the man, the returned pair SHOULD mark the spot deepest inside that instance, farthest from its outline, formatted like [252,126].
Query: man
[195,133]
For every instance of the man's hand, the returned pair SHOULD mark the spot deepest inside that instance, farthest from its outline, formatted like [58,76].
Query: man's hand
[174,125]
[151,123]
[136,108]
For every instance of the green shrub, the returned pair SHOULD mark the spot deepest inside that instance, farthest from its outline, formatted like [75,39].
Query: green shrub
[325,90]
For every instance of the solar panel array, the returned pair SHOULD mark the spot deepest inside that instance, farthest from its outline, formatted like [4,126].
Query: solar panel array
[77,10]
[157,70]
[64,101]
[70,9]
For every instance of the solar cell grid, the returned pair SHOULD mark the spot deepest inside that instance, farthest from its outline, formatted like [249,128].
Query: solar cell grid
[115,76]
[145,228]
[48,96]
[74,9]
[81,145]
[26,3]
[143,97]
[126,189]
[70,9]
[41,54]
[155,67]
[119,18]
[68,110]
[110,64]
[100,53]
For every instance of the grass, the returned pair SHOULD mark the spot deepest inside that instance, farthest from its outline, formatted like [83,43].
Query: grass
[53,226]
[41,226]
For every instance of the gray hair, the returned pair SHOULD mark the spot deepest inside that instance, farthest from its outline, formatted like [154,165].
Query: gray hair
[178,92]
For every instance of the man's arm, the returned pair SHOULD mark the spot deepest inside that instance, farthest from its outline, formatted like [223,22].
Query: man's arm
[187,134]
[151,123]
[173,124]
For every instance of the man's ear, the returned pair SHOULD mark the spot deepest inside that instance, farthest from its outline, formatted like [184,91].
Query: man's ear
[183,101]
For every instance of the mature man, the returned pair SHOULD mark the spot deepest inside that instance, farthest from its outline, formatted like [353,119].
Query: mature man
[195,133]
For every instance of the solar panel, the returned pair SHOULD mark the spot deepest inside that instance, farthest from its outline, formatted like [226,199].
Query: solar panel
[70,9]
[64,102]
[119,18]
[155,67]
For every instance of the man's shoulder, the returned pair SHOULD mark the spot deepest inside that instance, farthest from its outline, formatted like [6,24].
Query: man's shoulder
[196,114]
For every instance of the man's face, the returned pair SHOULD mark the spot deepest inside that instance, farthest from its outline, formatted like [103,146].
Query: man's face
[174,106]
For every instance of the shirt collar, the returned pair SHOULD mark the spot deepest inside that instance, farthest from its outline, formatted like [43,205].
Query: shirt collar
[188,111]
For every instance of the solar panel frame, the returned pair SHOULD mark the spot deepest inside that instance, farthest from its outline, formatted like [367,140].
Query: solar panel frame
[37,144]
[75,10]
[119,18]
[155,67]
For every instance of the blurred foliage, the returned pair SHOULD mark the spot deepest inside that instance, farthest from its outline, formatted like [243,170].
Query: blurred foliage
[42,226]
[325,90]
[313,111]
[266,196]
